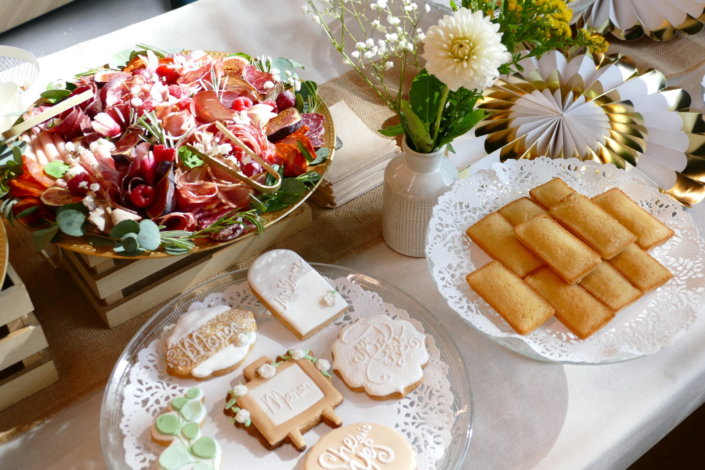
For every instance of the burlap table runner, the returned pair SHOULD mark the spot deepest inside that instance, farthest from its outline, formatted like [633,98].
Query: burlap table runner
[85,350]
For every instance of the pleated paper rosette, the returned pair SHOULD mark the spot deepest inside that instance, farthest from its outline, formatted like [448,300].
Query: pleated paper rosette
[598,108]
[632,19]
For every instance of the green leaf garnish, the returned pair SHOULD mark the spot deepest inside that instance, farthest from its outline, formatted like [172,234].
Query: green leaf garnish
[189,158]
[148,236]
[70,222]
[54,96]
[123,228]
[56,168]
[42,237]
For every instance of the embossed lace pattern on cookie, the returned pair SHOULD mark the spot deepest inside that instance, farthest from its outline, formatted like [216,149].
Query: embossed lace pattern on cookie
[382,355]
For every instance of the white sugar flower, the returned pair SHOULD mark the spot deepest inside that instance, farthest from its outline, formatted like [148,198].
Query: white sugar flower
[322,365]
[242,416]
[266,371]
[297,353]
[239,390]
[465,50]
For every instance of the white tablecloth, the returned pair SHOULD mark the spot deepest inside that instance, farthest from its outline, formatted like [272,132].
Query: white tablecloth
[528,414]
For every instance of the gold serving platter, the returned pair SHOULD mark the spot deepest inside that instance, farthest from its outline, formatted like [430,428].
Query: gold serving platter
[81,244]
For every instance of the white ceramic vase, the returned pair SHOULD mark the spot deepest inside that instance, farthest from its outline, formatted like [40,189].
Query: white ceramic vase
[412,183]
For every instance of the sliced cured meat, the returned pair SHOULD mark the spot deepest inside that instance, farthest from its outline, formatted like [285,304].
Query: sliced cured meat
[314,122]
[178,221]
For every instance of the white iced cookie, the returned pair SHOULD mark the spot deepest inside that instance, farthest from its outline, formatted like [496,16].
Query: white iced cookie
[210,341]
[294,292]
[380,356]
[362,446]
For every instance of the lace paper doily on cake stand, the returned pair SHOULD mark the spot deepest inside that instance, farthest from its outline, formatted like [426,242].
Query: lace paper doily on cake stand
[423,416]
[653,322]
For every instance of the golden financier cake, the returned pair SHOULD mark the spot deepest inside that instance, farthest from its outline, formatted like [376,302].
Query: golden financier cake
[640,268]
[362,446]
[210,341]
[294,292]
[510,296]
[557,247]
[496,237]
[580,312]
[592,225]
[520,210]
[648,229]
[610,287]
[382,356]
[549,194]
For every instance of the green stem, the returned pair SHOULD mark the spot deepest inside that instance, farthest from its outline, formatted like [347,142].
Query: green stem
[437,123]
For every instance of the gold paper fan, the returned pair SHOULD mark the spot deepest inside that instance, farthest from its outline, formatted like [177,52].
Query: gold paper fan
[632,19]
[598,108]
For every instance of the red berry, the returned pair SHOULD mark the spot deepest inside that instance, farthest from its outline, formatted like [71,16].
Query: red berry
[175,91]
[78,184]
[286,99]
[142,195]
[162,153]
[242,103]
[251,169]
[167,74]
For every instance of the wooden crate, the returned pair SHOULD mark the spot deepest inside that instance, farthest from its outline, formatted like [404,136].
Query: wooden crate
[121,289]
[25,363]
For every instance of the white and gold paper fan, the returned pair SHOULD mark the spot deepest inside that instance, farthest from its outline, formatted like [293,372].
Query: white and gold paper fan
[631,19]
[598,108]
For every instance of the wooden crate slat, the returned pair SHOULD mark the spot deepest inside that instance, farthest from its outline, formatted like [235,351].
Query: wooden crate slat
[27,382]
[98,264]
[175,279]
[14,301]
[20,344]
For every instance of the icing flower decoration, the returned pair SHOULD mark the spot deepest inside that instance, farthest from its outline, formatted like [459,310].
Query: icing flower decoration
[244,339]
[239,390]
[329,299]
[266,371]
[242,416]
[323,365]
[465,50]
[297,353]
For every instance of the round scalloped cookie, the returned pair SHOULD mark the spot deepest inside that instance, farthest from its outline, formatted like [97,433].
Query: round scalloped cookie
[362,445]
[381,356]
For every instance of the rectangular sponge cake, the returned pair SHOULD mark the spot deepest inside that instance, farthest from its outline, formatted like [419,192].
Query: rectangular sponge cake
[520,210]
[496,237]
[592,225]
[580,312]
[549,194]
[510,296]
[648,229]
[562,251]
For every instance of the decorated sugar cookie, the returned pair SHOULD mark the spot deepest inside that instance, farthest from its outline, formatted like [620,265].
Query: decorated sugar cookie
[362,446]
[210,341]
[381,356]
[284,398]
[294,292]
[179,429]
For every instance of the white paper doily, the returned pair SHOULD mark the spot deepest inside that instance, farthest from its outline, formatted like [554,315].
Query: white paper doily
[653,322]
[423,416]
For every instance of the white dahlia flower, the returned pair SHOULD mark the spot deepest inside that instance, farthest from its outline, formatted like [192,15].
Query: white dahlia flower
[465,50]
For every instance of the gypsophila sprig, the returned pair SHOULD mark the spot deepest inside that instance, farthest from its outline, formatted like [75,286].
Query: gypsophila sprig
[373,35]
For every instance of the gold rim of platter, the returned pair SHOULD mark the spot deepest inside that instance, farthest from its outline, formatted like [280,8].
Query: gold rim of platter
[80,245]
[4,253]
[665,32]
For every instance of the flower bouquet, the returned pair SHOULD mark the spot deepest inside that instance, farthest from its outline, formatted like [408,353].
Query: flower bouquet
[161,153]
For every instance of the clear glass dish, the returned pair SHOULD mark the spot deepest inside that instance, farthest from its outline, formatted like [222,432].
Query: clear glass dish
[117,393]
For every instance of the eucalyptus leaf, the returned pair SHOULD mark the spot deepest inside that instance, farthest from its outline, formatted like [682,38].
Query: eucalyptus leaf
[124,227]
[322,155]
[120,59]
[70,222]
[100,241]
[42,237]
[130,245]
[56,168]
[148,236]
